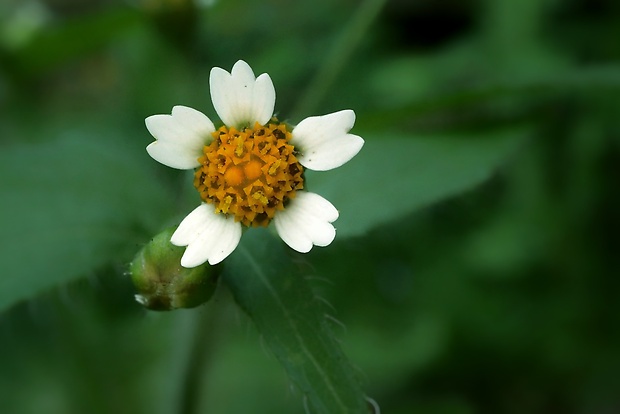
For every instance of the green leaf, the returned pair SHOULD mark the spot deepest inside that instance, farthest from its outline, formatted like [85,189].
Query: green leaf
[547,78]
[394,176]
[70,206]
[269,286]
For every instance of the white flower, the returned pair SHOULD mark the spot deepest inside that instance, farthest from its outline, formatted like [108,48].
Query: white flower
[250,171]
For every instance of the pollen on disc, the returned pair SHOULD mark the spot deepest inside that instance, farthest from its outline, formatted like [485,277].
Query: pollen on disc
[250,173]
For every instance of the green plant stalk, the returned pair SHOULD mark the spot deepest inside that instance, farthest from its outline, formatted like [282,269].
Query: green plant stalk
[337,57]
[201,331]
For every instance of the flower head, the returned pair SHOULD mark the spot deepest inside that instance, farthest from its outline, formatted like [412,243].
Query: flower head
[250,171]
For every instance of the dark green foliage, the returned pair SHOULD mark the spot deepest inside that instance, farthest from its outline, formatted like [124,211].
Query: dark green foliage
[475,268]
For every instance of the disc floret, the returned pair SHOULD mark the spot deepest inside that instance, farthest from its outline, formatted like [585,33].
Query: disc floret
[249,173]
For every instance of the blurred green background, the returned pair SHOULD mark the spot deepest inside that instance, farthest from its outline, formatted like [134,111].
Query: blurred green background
[450,295]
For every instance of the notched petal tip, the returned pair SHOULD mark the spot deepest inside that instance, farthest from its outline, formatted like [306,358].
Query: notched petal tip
[192,261]
[180,137]
[227,244]
[157,124]
[192,225]
[239,98]
[324,142]
[264,99]
[186,113]
[209,237]
[242,69]
[218,72]
[306,222]
[344,118]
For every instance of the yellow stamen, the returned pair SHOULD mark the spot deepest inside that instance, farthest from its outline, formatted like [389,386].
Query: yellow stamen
[249,174]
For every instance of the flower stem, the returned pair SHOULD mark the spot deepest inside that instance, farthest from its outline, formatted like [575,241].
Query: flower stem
[202,328]
[337,57]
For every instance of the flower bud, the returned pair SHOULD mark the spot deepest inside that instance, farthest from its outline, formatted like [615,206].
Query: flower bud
[163,284]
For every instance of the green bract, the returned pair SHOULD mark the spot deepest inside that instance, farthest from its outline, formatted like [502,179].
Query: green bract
[163,284]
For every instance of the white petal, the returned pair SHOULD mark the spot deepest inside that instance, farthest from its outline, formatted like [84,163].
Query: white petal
[214,244]
[228,239]
[306,221]
[180,137]
[174,156]
[264,99]
[191,225]
[324,142]
[194,120]
[208,236]
[239,98]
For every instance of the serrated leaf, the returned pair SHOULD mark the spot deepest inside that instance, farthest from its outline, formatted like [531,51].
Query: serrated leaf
[69,206]
[273,292]
[396,175]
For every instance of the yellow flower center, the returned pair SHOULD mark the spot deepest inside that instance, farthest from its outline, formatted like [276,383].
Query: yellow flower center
[249,174]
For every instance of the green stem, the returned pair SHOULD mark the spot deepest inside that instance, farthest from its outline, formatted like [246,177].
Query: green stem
[202,328]
[337,57]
